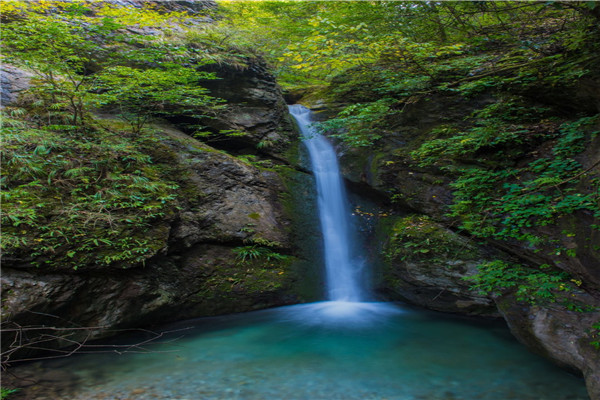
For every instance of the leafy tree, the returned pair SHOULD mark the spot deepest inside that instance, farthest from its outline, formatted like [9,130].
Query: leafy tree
[59,54]
[75,57]
[141,93]
[91,198]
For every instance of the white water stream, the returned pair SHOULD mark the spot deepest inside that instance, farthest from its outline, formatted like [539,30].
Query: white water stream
[344,281]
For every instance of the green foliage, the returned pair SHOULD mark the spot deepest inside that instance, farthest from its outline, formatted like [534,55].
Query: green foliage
[533,285]
[261,250]
[256,252]
[150,15]
[313,41]
[495,197]
[542,285]
[356,123]
[58,54]
[84,58]
[504,202]
[305,41]
[595,334]
[68,202]
[169,90]
[261,266]
[5,392]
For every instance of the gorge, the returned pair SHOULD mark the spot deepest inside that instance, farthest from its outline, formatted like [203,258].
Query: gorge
[468,146]
[323,350]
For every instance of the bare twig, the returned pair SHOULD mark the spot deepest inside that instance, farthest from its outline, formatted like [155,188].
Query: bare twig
[39,339]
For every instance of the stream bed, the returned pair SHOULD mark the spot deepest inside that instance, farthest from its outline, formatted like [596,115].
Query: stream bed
[327,350]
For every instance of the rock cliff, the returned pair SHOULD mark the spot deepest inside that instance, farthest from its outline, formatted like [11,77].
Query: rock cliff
[200,265]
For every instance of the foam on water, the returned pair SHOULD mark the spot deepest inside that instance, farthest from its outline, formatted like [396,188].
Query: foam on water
[348,314]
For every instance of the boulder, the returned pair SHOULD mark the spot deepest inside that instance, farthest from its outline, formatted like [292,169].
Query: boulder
[427,264]
[555,332]
[12,82]
[226,204]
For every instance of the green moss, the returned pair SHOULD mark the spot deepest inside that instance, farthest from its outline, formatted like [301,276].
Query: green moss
[301,210]
[249,278]
[254,216]
[418,238]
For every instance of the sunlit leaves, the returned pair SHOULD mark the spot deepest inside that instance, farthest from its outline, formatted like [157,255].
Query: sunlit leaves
[149,15]
[357,123]
[140,93]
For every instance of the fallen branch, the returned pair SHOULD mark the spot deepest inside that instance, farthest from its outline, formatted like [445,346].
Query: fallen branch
[39,339]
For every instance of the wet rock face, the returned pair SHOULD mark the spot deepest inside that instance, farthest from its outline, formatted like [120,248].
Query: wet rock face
[235,201]
[255,107]
[558,334]
[438,287]
[205,280]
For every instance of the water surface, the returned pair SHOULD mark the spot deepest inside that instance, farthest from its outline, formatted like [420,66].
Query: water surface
[329,350]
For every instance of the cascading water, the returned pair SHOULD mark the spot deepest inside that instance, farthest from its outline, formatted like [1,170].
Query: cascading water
[344,283]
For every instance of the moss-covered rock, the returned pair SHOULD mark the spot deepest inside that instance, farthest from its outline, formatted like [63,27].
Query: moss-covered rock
[427,264]
[224,204]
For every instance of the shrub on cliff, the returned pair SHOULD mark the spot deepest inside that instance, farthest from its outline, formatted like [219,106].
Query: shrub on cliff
[78,191]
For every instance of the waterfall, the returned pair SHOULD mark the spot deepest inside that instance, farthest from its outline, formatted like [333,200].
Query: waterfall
[343,277]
